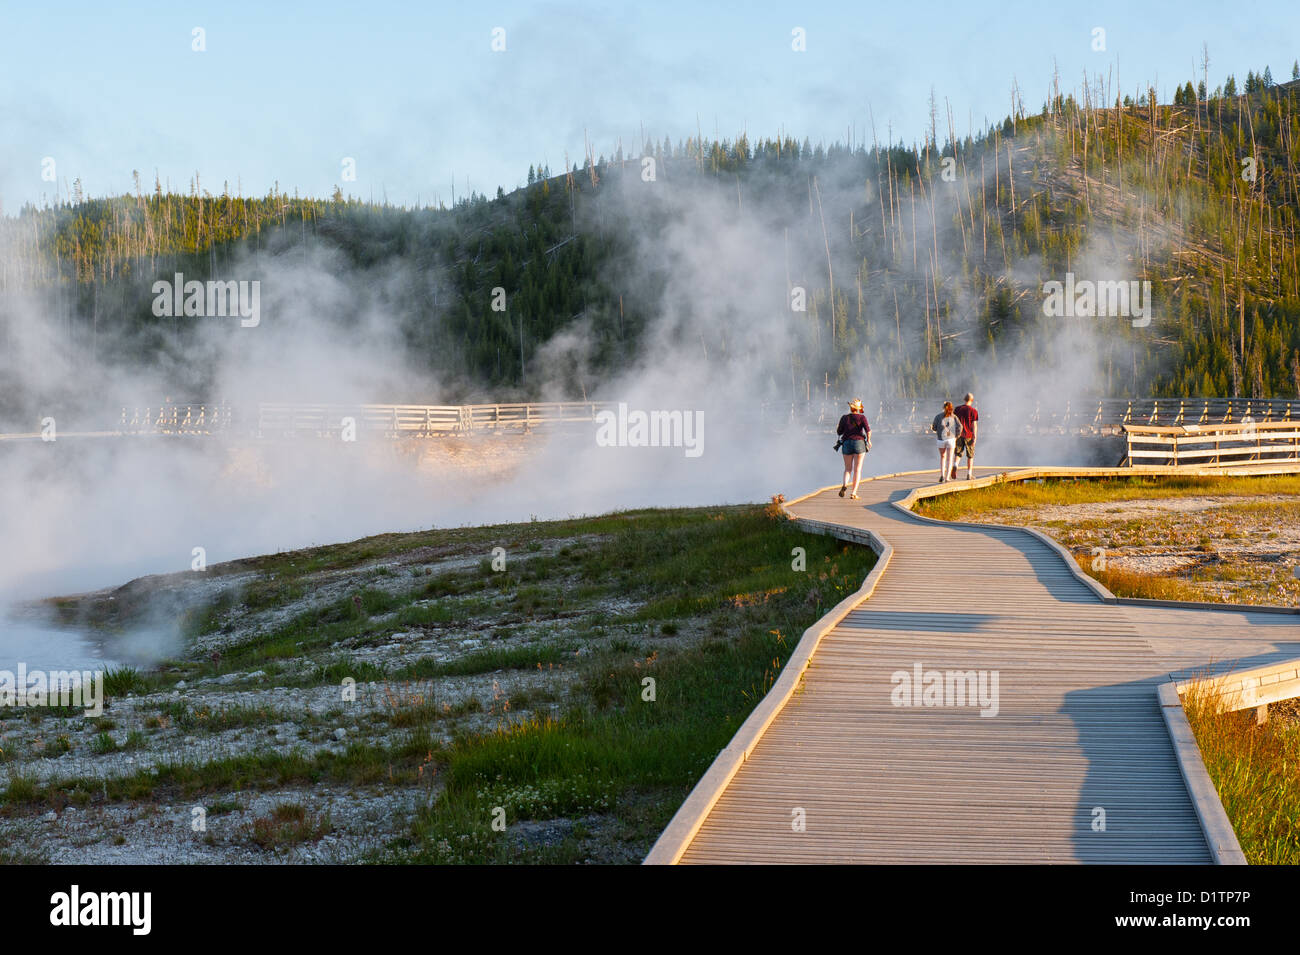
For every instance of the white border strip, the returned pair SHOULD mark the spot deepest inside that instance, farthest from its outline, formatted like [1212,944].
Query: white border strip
[1219,834]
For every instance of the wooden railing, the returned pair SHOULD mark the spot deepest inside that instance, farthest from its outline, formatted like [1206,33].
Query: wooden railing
[890,415]
[1252,689]
[1099,416]
[1217,445]
[423,420]
[326,419]
[170,418]
[281,418]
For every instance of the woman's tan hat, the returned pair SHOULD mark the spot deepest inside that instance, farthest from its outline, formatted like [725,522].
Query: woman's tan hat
[855,404]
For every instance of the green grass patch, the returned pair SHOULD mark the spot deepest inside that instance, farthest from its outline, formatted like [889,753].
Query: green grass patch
[1254,771]
[124,680]
[487,661]
[358,765]
[349,617]
[215,719]
[289,824]
[596,758]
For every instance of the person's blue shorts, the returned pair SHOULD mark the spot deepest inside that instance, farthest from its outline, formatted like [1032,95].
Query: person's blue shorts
[854,446]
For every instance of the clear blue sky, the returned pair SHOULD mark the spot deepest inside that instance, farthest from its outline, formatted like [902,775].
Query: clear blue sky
[414,93]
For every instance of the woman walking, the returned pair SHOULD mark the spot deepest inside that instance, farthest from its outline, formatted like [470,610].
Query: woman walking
[947,428]
[854,443]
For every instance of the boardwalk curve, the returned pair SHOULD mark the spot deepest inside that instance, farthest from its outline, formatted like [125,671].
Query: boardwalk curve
[1075,763]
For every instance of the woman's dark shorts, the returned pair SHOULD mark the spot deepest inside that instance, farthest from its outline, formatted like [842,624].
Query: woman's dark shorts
[854,446]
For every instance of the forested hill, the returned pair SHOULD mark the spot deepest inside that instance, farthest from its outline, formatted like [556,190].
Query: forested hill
[925,266]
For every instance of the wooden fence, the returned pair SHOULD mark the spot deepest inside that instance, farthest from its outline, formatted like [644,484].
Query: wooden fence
[286,419]
[1099,416]
[1217,445]
[423,420]
[891,415]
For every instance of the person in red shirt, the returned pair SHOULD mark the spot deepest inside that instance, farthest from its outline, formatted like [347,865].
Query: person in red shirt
[854,443]
[969,418]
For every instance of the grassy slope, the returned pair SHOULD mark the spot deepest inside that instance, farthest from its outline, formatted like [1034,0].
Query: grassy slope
[611,762]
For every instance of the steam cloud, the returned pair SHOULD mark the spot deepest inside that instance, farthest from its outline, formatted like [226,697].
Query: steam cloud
[718,260]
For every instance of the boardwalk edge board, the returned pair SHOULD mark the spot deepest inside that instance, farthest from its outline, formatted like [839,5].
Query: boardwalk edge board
[1219,834]
[686,823]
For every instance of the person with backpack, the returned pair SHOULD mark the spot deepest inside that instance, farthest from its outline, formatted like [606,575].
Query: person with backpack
[969,430]
[854,443]
[947,427]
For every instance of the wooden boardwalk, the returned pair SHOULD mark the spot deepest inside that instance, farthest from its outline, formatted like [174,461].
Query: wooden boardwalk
[1077,739]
